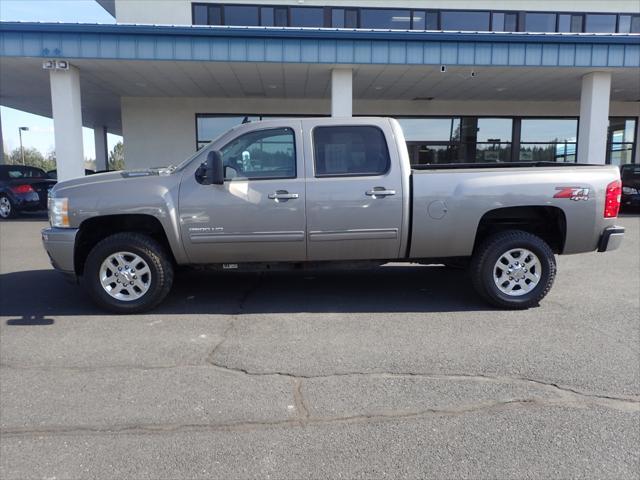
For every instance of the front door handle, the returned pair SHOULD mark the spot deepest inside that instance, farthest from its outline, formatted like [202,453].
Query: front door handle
[283,196]
[379,192]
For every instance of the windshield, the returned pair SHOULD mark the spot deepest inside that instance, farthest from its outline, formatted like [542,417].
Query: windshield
[10,172]
[630,172]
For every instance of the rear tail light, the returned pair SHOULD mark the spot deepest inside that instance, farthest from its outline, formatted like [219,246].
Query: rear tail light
[612,199]
[22,189]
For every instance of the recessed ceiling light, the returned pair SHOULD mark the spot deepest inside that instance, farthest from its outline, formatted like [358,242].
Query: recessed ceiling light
[501,89]
[379,87]
[272,86]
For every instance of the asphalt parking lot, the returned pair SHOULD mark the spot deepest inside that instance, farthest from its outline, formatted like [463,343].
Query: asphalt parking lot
[397,372]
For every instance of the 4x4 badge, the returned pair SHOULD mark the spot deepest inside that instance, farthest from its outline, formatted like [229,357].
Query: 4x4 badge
[572,193]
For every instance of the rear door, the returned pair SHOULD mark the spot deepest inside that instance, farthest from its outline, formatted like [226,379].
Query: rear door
[258,215]
[354,190]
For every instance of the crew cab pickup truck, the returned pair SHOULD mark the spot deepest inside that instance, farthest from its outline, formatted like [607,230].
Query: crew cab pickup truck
[302,193]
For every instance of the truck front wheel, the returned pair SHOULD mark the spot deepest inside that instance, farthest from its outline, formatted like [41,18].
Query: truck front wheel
[128,273]
[513,269]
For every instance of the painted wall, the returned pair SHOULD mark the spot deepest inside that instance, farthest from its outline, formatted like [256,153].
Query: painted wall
[162,131]
[178,12]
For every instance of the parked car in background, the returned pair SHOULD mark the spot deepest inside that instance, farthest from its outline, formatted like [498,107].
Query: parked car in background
[23,189]
[630,175]
[54,173]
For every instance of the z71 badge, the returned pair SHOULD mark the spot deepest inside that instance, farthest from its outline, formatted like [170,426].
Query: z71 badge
[572,193]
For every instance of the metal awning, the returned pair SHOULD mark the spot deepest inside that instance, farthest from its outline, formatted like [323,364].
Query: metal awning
[316,45]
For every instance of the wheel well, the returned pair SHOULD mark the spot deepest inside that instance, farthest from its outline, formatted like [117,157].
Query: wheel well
[95,229]
[548,223]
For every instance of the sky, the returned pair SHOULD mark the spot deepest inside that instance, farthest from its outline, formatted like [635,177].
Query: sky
[40,134]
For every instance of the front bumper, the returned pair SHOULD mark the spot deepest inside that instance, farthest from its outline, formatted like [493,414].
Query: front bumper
[60,244]
[610,239]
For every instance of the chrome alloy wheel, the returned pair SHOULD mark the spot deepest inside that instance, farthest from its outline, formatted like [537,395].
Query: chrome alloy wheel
[517,272]
[125,276]
[5,207]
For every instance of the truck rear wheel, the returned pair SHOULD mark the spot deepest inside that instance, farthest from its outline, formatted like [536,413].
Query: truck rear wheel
[128,273]
[513,269]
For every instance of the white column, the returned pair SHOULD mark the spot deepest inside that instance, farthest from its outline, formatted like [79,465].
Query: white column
[594,117]
[102,155]
[341,92]
[637,141]
[67,122]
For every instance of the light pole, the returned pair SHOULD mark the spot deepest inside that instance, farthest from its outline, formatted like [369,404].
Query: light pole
[20,130]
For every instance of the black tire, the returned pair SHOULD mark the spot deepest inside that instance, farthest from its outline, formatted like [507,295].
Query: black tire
[160,266]
[486,256]
[12,213]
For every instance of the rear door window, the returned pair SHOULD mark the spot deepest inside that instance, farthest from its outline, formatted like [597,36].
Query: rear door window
[350,151]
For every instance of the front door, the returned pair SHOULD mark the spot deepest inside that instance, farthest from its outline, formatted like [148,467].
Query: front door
[354,192]
[258,215]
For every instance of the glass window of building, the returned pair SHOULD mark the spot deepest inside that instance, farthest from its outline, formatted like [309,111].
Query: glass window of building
[241,15]
[540,22]
[432,21]
[620,140]
[281,16]
[548,140]
[485,139]
[351,18]
[306,17]
[266,16]
[215,15]
[210,127]
[200,15]
[466,21]
[337,17]
[429,129]
[600,23]
[357,150]
[504,22]
[570,23]
[418,20]
[385,19]
[261,154]
[629,24]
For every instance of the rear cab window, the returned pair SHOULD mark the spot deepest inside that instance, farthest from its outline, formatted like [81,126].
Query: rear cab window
[358,150]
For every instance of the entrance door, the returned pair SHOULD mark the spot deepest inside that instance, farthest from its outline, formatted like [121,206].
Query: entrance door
[354,192]
[258,215]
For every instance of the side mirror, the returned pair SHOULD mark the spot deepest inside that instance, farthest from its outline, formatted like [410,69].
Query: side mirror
[215,170]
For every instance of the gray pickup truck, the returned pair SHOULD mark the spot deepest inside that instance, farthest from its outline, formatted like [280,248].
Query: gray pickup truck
[311,192]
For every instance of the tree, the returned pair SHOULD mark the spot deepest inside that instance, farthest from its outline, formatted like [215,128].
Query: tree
[116,157]
[32,157]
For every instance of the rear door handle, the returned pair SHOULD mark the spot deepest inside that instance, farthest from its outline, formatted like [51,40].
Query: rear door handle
[283,196]
[379,192]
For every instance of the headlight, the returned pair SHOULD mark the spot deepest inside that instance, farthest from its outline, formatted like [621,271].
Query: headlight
[59,212]
[629,190]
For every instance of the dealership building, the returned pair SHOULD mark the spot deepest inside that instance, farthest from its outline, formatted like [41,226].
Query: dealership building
[506,81]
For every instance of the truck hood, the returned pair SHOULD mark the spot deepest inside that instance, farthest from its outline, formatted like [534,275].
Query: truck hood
[63,188]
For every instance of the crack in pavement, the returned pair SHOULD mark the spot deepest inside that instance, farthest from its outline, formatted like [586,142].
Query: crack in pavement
[301,407]
[142,429]
[570,395]
[242,300]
